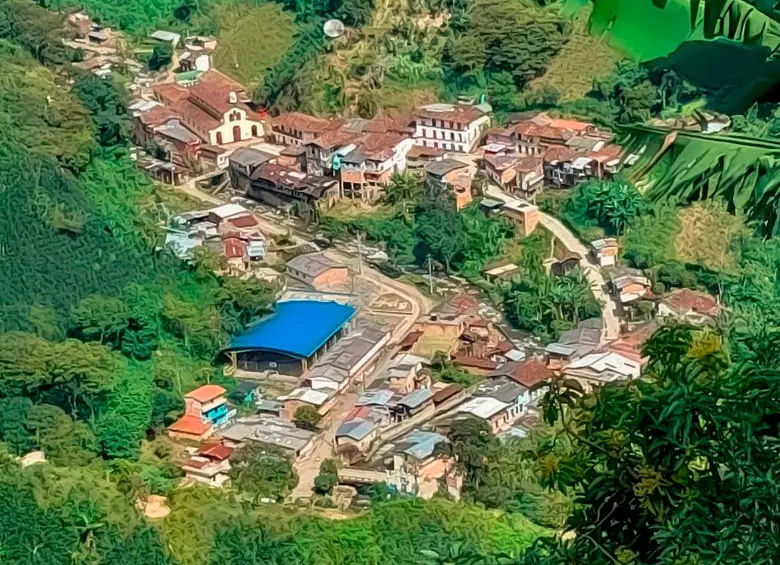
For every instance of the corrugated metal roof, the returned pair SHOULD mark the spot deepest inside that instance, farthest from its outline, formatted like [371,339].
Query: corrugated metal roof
[416,398]
[297,328]
[375,398]
[420,444]
[355,429]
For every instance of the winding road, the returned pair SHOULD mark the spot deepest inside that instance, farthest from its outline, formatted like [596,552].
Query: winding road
[597,283]
[573,245]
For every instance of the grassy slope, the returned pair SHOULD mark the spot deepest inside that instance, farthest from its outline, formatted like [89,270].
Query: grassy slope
[583,59]
[706,236]
[252,38]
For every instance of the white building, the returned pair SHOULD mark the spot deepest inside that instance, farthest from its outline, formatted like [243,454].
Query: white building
[215,108]
[452,127]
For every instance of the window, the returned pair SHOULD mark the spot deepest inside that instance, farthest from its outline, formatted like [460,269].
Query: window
[254,131]
[219,138]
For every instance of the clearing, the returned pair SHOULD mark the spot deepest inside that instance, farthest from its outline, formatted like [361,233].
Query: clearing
[252,39]
[706,236]
[583,59]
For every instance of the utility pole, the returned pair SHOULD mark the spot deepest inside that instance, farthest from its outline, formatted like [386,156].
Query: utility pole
[430,273]
[360,254]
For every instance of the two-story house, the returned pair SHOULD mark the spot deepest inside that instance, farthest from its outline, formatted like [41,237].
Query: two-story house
[214,108]
[295,128]
[205,409]
[369,167]
[516,173]
[452,127]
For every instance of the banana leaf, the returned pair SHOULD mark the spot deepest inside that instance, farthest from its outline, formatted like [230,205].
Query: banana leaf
[681,167]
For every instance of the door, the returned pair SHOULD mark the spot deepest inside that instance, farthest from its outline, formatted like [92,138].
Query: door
[236,133]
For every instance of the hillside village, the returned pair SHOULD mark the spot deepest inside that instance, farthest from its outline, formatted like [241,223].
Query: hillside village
[354,282]
[357,350]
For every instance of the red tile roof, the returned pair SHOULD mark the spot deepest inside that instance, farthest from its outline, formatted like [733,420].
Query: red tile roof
[213,88]
[234,248]
[216,451]
[196,117]
[170,93]
[157,115]
[573,125]
[358,412]
[559,154]
[190,424]
[607,153]
[420,151]
[529,164]
[626,349]
[528,373]
[501,162]
[247,221]
[686,300]
[446,393]
[300,122]
[379,146]
[205,393]
[334,138]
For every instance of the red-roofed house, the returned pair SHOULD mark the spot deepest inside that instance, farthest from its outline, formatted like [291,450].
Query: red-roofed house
[214,108]
[204,409]
[533,374]
[144,123]
[236,251]
[295,128]
[368,168]
[690,305]
[210,466]
[452,127]
[516,173]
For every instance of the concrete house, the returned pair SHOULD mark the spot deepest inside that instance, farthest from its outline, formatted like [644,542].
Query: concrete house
[452,127]
[318,271]
[215,108]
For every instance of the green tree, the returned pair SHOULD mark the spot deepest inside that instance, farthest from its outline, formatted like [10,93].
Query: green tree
[162,55]
[306,417]
[100,318]
[328,477]
[263,473]
[610,205]
[79,372]
[106,101]
[666,465]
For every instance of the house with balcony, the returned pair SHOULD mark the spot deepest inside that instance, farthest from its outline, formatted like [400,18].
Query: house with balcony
[205,410]
[296,128]
[371,164]
[451,127]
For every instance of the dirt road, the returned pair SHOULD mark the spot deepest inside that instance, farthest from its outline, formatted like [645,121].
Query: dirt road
[597,283]
[592,273]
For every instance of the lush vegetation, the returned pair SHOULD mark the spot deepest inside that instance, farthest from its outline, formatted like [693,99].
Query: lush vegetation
[668,480]
[423,221]
[698,246]
[545,304]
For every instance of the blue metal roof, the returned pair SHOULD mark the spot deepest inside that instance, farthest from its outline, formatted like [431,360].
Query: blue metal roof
[415,398]
[420,444]
[297,328]
[355,429]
